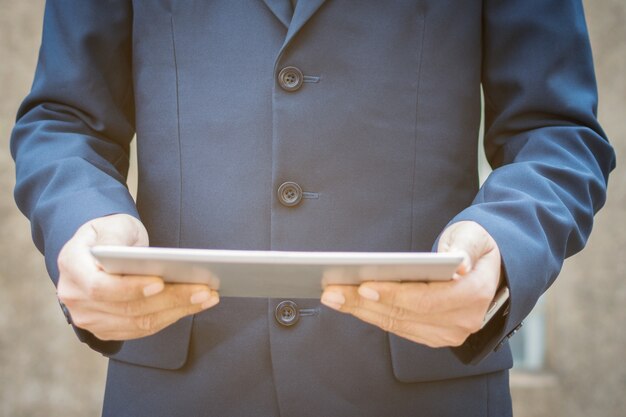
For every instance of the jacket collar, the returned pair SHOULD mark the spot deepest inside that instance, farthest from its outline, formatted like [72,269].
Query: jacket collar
[293,20]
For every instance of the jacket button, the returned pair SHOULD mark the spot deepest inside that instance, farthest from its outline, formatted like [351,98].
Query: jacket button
[287,313]
[290,78]
[515,330]
[289,194]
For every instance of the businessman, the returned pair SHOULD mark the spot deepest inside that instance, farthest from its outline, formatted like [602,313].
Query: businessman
[313,125]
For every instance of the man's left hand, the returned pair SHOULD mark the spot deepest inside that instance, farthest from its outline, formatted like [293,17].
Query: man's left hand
[435,314]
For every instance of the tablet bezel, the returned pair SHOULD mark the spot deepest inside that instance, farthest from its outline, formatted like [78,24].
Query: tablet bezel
[293,274]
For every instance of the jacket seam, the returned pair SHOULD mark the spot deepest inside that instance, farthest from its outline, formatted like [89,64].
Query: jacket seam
[414,170]
[180,163]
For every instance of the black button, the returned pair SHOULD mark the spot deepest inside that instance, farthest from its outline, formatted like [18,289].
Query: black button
[290,78]
[508,336]
[289,194]
[287,313]
[515,330]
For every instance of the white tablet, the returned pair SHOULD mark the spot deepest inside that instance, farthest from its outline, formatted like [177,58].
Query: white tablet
[281,274]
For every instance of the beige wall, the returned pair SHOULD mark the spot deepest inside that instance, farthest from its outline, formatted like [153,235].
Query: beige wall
[586,308]
[44,371]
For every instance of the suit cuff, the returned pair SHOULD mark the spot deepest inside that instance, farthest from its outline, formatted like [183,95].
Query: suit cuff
[105,347]
[74,215]
[508,320]
[65,219]
[492,337]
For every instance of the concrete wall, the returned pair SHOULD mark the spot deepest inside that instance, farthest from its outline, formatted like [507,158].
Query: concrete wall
[44,371]
[586,308]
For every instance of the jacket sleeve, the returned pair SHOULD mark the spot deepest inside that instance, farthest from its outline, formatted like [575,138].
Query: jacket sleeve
[72,134]
[551,158]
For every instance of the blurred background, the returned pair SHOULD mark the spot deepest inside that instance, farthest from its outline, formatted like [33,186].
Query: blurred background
[570,355]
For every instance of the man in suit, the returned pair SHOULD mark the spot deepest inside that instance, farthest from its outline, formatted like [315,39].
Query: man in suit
[331,125]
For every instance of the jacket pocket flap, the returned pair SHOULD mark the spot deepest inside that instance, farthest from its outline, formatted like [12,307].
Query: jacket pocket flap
[167,349]
[413,362]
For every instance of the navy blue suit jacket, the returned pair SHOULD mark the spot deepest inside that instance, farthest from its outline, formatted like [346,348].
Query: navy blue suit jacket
[383,133]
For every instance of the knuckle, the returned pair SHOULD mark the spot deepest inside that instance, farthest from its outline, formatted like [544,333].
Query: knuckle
[63,294]
[131,309]
[439,344]
[396,310]
[195,309]
[434,343]
[93,289]
[452,343]
[389,323]
[147,323]
[480,293]
[424,304]
[471,324]
[67,294]
[475,325]
[397,313]
[100,335]
[484,295]
[173,300]
[359,302]
[106,336]
[79,320]
[457,339]
[456,342]
[181,295]
[71,305]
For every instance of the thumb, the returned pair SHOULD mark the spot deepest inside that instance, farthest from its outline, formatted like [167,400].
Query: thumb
[468,239]
[119,229]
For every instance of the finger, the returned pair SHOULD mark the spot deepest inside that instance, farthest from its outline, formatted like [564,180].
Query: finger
[173,296]
[420,332]
[466,315]
[468,238]
[80,279]
[104,287]
[435,337]
[119,229]
[420,298]
[348,300]
[83,279]
[152,323]
[111,327]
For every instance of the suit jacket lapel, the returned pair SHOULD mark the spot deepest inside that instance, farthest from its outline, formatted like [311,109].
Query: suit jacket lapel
[282,9]
[304,10]
[293,20]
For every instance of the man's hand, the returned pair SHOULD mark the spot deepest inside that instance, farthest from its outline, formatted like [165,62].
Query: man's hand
[435,314]
[115,307]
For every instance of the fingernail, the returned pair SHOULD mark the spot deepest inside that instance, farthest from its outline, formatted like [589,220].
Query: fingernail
[334,306]
[208,304]
[333,299]
[466,263]
[369,293]
[200,297]
[152,289]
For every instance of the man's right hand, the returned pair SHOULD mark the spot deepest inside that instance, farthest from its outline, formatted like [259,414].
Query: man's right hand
[116,307]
